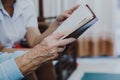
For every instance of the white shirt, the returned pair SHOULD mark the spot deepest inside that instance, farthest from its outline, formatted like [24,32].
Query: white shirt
[13,29]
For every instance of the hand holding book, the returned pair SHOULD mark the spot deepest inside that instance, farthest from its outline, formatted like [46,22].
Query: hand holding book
[63,16]
[80,20]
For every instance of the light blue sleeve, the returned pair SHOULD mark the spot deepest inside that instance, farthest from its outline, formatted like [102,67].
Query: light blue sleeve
[6,56]
[10,71]
[8,67]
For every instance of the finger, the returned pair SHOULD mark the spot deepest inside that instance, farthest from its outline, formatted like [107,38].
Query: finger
[70,11]
[74,7]
[56,50]
[60,49]
[59,35]
[63,16]
[66,15]
[55,56]
[66,41]
[53,50]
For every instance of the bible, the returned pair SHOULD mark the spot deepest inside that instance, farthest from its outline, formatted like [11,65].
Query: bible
[79,21]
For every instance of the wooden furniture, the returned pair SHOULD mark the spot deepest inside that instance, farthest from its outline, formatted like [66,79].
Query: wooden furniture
[67,62]
[41,16]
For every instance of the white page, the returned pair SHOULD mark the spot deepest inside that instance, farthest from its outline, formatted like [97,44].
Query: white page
[78,15]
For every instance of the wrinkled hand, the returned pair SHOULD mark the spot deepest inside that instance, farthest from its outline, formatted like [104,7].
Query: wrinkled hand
[66,14]
[47,50]
[51,46]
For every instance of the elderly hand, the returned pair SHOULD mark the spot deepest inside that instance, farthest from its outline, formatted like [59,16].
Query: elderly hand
[47,50]
[66,14]
[52,45]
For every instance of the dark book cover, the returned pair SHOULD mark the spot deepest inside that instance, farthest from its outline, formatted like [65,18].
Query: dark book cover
[82,28]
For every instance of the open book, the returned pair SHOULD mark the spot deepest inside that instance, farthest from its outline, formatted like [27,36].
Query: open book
[81,19]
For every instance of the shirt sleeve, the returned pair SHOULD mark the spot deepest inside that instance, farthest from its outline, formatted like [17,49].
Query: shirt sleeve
[8,67]
[30,15]
[6,56]
[10,71]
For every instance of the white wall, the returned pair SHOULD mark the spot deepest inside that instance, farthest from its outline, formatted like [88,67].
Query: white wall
[116,24]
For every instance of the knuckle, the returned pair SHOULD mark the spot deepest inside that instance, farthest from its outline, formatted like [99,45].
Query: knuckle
[45,40]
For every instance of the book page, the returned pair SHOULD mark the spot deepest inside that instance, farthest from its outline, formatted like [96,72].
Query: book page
[86,20]
[72,23]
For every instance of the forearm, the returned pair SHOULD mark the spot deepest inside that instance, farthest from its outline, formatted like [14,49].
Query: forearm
[10,50]
[31,61]
[50,30]
[25,65]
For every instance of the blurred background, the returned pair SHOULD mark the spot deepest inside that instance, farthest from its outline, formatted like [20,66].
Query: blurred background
[101,40]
